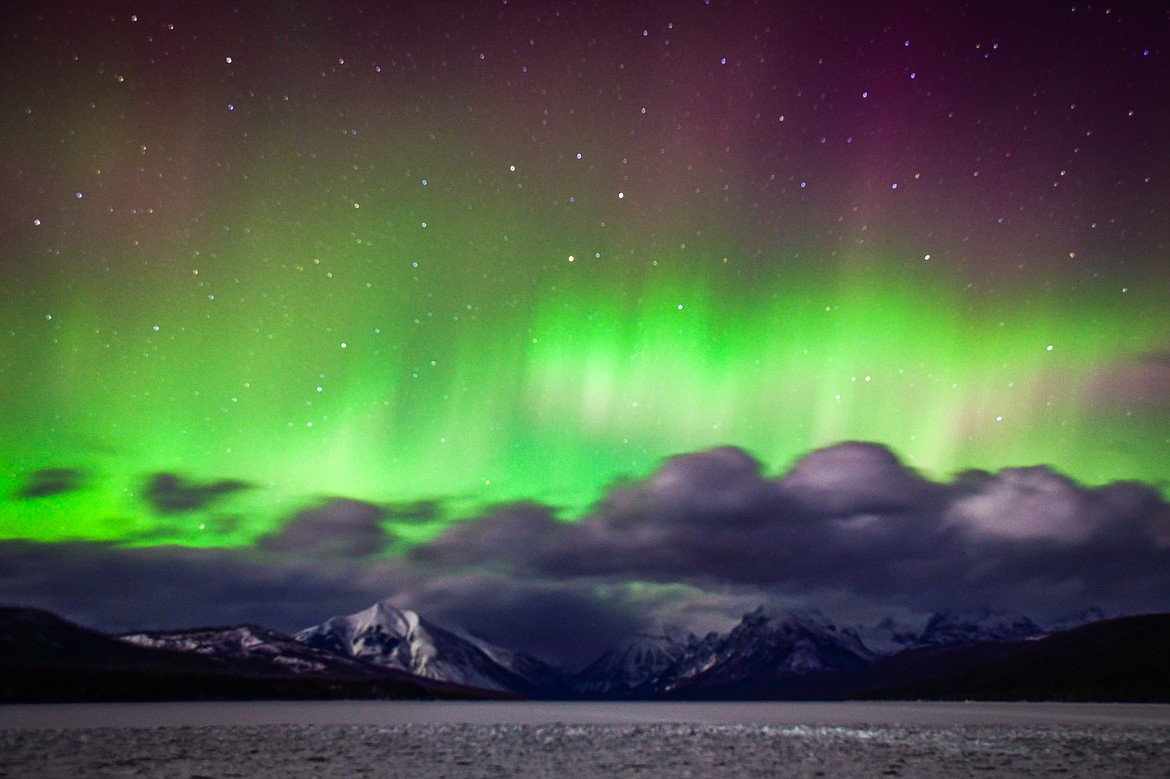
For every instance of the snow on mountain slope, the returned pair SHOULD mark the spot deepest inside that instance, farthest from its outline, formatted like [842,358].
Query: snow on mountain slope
[394,638]
[636,662]
[951,628]
[252,645]
[954,627]
[767,646]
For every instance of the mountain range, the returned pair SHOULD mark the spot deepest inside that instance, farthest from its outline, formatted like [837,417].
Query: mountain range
[386,652]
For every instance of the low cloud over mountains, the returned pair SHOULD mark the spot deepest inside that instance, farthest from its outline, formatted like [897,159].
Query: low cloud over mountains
[848,528]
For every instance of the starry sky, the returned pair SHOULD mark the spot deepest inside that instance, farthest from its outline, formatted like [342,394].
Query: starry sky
[357,281]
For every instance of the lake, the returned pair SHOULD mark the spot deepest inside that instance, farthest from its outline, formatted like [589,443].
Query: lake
[455,739]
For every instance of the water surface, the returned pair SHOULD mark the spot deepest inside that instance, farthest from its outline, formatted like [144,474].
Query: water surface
[88,715]
[585,739]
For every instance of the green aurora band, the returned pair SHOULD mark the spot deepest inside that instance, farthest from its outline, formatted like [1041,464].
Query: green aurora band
[445,289]
[397,367]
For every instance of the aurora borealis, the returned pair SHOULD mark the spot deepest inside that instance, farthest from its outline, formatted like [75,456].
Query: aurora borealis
[443,261]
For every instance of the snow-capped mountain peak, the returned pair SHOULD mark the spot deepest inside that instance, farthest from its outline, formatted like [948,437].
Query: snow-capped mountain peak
[768,649]
[636,662]
[951,628]
[805,635]
[395,638]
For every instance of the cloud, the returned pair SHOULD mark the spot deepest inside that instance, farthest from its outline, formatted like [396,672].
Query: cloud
[500,540]
[338,528]
[857,478]
[1134,383]
[1032,503]
[726,480]
[713,515]
[570,621]
[169,493]
[50,481]
[124,589]
[848,519]
[848,529]
[1159,358]
[116,588]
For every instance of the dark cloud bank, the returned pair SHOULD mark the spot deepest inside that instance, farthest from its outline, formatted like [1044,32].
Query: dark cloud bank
[848,529]
[50,481]
[169,493]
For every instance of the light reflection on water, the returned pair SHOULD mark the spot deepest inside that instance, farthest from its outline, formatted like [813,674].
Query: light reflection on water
[852,715]
[587,741]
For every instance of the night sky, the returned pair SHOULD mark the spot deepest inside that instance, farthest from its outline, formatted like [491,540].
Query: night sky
[538,313]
